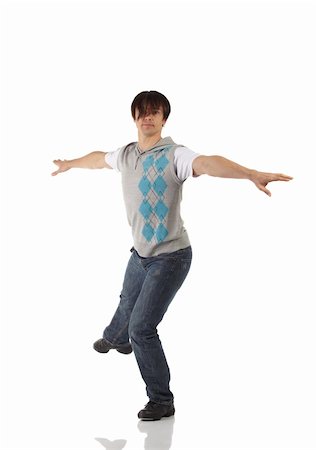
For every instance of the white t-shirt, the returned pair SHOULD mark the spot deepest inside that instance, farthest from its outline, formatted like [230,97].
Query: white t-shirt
[183,158]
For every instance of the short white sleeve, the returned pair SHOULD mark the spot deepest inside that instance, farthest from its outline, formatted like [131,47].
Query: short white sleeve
[183,158]
[111,158]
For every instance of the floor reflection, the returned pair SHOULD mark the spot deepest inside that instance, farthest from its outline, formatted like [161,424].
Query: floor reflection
[158,435]
[117,444]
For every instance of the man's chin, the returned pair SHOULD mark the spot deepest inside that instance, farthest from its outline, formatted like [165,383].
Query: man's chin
[149,133]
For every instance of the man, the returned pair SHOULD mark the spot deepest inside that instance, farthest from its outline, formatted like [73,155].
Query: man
[153,170]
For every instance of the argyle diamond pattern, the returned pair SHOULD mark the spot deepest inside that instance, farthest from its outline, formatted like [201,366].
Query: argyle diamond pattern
[153,187]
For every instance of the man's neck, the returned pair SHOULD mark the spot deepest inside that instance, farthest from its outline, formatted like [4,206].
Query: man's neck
[146,142]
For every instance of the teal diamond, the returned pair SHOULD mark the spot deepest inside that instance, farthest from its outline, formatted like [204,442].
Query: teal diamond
[161,163]
[144,185]
[146,209]
[148,162]
[161,210]
[148,232]
[161,232]
[160,185]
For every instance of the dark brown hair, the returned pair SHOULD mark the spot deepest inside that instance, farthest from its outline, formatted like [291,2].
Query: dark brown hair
[149,101]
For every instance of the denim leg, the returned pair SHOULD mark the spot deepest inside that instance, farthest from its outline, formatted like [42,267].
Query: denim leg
[164,276]
[117,331]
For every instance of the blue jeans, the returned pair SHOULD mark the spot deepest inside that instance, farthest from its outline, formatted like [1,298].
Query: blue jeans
[148,288]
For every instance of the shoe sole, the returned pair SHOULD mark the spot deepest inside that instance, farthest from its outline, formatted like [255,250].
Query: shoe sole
[101,351]
[150,419]
[124,351]
[120,350]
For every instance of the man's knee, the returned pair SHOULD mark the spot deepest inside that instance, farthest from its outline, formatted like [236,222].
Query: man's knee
[141,332]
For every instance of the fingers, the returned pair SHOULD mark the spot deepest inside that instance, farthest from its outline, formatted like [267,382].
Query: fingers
[265,190]
[58,163]
[57,171]
[282,177]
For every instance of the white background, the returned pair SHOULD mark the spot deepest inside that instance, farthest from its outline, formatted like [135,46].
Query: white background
[240,334]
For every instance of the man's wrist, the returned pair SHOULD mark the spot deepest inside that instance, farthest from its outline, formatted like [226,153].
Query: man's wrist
[252,174]
[68,164]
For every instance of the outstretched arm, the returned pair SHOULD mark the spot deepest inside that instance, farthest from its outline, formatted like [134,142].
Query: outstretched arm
[218,166]
[93,160]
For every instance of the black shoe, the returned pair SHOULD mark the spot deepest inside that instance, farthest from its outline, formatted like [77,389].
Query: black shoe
[155,411]
[103,346]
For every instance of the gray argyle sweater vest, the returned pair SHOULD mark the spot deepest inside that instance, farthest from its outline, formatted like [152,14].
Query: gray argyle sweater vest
[152,195]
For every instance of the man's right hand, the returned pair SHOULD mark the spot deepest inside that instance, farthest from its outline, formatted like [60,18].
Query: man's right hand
[63,166]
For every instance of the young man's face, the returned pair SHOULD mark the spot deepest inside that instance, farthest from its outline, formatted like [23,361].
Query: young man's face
[151,123]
